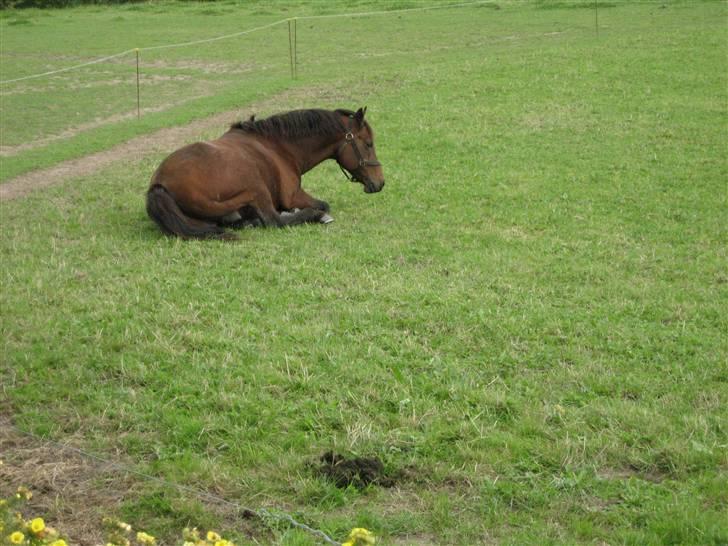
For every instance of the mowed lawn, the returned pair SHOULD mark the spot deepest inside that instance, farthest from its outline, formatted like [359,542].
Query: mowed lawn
[527,326]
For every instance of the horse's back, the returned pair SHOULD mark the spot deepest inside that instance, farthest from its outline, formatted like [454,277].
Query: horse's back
[188,161]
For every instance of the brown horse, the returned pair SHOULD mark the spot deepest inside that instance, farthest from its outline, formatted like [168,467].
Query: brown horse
[253,172]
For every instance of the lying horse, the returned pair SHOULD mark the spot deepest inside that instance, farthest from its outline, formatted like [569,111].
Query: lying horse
[253,172]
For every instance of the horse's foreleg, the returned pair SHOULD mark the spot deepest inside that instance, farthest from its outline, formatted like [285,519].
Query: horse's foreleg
[270,217]
[302,216]
[302,200]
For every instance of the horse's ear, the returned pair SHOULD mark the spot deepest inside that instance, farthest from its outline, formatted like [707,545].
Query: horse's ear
[359,115]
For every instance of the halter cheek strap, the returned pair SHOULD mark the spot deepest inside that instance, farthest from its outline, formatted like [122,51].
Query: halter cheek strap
[349,139]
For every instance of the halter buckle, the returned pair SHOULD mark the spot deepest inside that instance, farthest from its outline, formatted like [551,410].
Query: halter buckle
[349,136]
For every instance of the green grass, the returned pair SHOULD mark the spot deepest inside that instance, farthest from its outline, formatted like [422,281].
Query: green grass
[67,115]
[527,325]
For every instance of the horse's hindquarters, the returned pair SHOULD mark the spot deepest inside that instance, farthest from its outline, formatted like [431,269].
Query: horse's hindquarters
[164,210]
[206,180]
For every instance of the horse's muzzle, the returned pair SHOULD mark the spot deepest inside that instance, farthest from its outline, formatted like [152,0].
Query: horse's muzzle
[373,187]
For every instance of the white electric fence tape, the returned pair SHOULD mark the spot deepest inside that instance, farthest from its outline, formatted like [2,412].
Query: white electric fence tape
[249,31]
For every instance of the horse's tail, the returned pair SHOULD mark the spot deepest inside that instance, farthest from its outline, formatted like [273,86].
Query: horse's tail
[164,210]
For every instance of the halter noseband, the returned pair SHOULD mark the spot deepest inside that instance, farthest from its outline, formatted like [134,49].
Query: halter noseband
[349,139]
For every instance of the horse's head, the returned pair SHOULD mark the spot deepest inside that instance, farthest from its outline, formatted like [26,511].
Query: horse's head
[356,155]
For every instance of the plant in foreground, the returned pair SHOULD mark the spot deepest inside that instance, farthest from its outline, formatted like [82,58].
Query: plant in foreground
[17,531]
[359,537]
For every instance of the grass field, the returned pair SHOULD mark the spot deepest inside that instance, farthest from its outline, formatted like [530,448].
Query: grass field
[527,326]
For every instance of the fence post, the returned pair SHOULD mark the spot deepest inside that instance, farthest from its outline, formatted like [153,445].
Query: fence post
[290,48]
[295,47]
[139,112]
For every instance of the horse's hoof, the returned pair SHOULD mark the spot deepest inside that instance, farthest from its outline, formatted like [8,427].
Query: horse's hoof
[326,219]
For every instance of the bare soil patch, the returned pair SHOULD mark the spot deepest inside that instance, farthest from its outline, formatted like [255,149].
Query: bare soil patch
[208,67]
[70,492]
[358,472]
[650,475]
[74,492]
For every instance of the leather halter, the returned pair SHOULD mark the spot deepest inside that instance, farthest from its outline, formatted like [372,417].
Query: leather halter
[350,139]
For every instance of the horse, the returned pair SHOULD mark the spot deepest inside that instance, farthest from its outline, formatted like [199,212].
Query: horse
[252,173]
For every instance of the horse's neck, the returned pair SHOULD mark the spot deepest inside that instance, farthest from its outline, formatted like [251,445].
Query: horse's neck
[311,151]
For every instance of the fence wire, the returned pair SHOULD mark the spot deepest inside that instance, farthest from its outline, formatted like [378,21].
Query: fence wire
[244,32]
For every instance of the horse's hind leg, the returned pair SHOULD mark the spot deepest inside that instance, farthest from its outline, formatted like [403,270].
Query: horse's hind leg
[166,212]
[246,216]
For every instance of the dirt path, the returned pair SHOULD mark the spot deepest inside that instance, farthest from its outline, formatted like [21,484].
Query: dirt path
[163,140]
[9,151]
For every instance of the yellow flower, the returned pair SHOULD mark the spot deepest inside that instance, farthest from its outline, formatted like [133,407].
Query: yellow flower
[37,525]
[191,535]
[212,536]
[144,538]
[17,537]
[124,526]
[348,543]
[59,542]
[359,535]
[24,492]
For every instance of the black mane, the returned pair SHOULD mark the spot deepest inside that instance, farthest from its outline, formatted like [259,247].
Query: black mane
[296,124]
